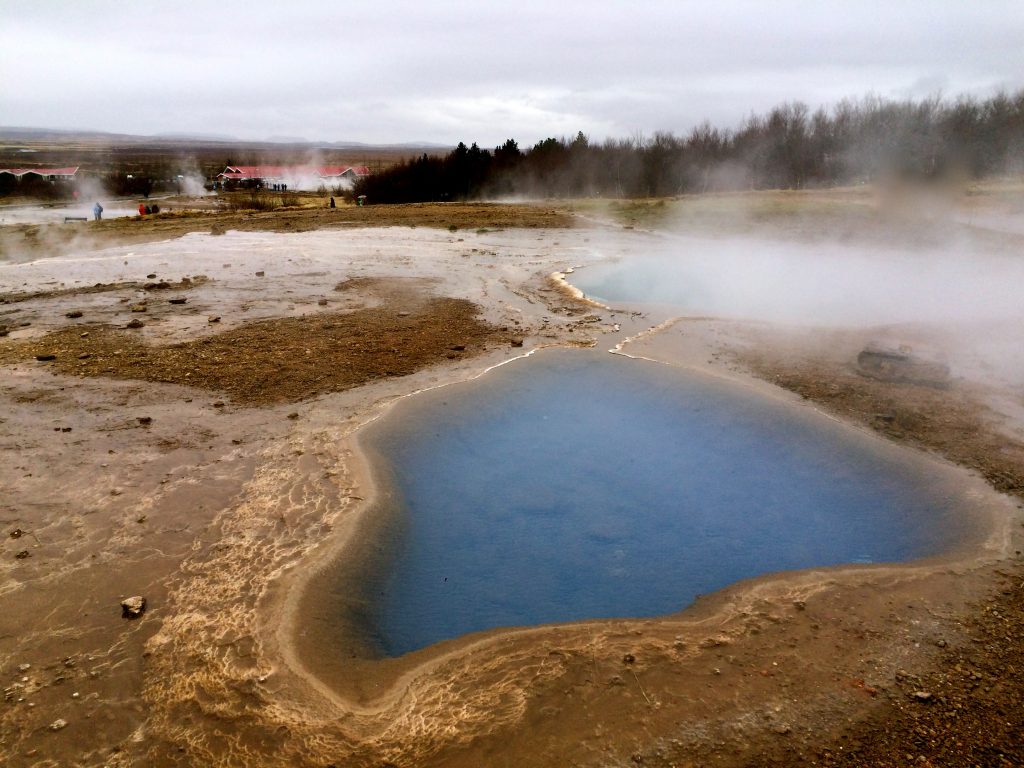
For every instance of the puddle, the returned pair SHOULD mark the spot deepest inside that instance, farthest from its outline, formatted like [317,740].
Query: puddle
[579,485]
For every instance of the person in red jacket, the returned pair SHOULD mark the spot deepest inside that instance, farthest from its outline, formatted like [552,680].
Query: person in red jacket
[142,209]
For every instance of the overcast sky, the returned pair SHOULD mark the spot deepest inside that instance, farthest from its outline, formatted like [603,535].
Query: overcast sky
[384,71]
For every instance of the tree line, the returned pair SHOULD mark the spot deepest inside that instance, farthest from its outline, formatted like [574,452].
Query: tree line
[790,147]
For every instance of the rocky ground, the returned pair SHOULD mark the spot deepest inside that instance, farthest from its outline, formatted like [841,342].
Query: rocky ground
[190,438]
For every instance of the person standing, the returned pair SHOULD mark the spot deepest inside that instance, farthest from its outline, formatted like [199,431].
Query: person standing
[97,211]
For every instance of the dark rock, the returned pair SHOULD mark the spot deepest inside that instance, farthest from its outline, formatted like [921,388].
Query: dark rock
[629,658]
[84,356]
[133,607]
[74,314]
[23,554]
[145,420]
[516,342]
[176,301]
[261,273]
[135,324]
[17,533]
[293,416]
[213,319]
[901,364]
[219,404]
[45,358]
[458,347]
[151,277]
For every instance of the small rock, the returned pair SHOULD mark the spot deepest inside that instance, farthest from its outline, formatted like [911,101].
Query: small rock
[782,729]
[83,335]
[922,696]
[138,307]
[58,724]
[23,554]
[84,356]
[145,420]
[261,273]
[458,347]
[133,607]
[629,658]
[24,667]
[17,533]
[800,605]
[516,342]
[74,314]
[941,643]
[151,277]
[293,416]
[404,314]
[322,302]
[176,301]
[45,358]
[219,404]
[136,323]
[213,319]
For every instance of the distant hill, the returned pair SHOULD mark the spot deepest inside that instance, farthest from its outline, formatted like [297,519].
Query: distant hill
[30,135]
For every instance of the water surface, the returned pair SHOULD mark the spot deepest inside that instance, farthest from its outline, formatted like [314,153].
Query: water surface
[579,485]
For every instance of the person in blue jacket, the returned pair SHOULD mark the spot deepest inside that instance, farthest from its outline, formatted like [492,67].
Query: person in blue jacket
[97,211]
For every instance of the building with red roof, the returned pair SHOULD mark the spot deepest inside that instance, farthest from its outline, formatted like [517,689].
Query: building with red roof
[293,176]
[49,174]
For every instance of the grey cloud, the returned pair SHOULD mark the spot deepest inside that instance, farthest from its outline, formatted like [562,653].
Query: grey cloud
[447,71]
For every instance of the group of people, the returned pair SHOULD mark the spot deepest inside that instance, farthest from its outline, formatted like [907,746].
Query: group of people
[145,210]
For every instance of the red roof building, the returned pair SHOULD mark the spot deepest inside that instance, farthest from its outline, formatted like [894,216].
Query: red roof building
[292,174]
[50,174]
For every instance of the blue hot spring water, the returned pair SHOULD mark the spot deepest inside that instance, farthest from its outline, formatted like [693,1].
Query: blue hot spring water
[580,485]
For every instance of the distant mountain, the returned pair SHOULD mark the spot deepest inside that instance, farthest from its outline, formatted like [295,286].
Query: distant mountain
[29,134]
[286,140]
[219,137]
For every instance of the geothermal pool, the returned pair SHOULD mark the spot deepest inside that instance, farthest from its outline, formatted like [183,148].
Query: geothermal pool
[581,485]
[822,283]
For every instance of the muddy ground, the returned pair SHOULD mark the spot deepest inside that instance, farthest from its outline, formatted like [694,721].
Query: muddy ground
[214,468]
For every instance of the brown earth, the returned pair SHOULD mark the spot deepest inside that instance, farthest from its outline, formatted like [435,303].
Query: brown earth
[598,695]
[37,241]
[18,296]
[279,360]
